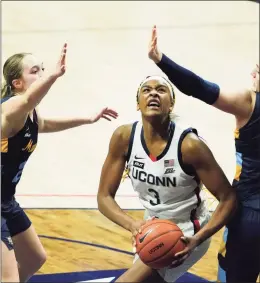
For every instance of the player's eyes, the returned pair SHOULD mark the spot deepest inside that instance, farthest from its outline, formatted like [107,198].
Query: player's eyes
[161,89]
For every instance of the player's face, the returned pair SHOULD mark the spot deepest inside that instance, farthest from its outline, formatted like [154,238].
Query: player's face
[32,71]
[255,75]
[155,99]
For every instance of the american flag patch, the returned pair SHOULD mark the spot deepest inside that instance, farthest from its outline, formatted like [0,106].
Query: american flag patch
[169,163]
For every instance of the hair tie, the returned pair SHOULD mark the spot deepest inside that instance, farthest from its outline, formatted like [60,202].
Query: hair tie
[9,90]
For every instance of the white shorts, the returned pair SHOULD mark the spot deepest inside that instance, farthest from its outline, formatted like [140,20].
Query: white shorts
[172,274]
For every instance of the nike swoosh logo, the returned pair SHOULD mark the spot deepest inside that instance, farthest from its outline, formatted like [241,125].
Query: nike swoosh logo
[145,235]
[136,157]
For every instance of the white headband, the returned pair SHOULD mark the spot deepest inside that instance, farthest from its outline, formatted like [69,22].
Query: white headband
[157,78]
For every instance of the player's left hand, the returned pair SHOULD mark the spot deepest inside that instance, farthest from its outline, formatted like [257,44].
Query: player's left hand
[191,243]
[105,113]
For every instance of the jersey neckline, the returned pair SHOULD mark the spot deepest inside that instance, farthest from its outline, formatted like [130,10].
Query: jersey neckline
[164,152]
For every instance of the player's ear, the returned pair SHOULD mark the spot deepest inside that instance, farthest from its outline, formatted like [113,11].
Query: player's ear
[137,101]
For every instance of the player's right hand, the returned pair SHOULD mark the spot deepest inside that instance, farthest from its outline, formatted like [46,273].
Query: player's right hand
[153,52]
[61,65]
[136,228]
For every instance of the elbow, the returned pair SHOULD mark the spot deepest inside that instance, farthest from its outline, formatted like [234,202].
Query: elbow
[231,202]
[234,200]
[101,201]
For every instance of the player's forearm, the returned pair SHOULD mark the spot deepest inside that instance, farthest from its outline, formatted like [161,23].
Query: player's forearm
[36,92]
[109,208]
[57,125]
[188,82]
[221,216]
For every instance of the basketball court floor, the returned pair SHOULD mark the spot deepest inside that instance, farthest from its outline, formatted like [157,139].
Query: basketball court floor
[107,59]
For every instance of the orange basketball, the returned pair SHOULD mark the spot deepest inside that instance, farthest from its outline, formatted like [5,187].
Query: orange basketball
[159,242]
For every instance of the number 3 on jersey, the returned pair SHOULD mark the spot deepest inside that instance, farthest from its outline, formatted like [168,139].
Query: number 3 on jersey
[156,196]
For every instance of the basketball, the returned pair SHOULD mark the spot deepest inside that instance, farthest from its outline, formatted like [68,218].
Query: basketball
[159,242]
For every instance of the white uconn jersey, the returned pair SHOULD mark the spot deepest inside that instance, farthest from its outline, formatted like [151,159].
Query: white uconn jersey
[164,189]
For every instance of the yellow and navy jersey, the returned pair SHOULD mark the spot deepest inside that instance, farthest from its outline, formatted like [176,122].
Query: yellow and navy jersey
[15,151]
[247,142]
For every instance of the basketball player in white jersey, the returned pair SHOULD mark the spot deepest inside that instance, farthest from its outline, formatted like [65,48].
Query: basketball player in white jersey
[167,166]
